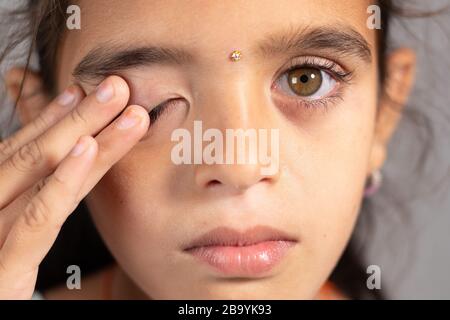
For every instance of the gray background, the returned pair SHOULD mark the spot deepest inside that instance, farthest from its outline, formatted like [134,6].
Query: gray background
[407,237]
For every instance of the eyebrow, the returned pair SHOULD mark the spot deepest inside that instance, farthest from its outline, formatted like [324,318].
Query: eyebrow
[339,39]
[108,58]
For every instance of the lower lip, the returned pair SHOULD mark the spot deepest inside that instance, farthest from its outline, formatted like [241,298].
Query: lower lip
[243,261]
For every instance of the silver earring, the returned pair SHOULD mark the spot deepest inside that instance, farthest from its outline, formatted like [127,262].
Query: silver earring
[373,183]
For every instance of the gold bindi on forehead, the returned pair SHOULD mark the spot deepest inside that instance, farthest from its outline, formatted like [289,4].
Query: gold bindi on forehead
[236,55]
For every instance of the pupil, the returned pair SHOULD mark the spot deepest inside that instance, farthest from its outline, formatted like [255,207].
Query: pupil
[305,81]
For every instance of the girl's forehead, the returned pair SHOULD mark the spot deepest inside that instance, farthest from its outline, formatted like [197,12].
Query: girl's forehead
[213,29]
[213,21]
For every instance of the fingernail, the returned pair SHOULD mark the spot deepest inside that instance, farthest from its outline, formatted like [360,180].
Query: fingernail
[104,92]
[66,98]
[79,148]
[128,120]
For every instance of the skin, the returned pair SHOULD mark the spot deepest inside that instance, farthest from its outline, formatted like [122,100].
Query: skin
[146,215]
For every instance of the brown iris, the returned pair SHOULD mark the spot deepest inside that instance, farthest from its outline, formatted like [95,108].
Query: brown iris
[305,81]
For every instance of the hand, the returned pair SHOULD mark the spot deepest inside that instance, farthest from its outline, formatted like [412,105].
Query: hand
[48,166]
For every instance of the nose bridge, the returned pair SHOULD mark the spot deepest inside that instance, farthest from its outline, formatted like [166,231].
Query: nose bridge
[237,108]
[232,100]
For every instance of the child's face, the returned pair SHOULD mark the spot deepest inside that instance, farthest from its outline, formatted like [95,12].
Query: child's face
[147,208]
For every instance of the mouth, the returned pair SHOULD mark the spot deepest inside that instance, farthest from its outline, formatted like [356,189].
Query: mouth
[252,253]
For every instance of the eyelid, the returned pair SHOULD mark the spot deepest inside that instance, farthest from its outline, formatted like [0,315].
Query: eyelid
[154,99]
[333,68]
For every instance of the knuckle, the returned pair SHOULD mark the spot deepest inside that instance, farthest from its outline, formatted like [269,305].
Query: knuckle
[40,185]
[36,213]
[28,195]
[28,156]
[6,148]
[37,187]
[77,116]
[41,122]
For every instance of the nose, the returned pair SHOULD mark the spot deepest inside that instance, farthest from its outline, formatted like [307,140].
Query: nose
[232,177]
[235,106]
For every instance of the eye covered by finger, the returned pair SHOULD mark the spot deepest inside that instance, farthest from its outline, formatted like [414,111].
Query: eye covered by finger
[47,169]
[40,156]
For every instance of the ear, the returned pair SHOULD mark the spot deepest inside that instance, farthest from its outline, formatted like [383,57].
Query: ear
[400,74]
[32,99]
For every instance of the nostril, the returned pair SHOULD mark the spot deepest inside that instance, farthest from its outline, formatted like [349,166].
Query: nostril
[213,183]
[266,179]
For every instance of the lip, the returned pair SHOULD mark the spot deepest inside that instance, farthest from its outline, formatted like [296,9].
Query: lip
[251,253]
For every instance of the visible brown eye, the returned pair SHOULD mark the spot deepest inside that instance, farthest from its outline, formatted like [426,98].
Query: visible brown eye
[305,81]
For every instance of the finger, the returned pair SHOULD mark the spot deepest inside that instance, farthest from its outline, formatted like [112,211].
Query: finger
[52,113]
[36,229]
[115,141]
[40,156]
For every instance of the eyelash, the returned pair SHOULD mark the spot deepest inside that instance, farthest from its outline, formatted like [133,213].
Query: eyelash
[332,68]
[321,63]
[161,109]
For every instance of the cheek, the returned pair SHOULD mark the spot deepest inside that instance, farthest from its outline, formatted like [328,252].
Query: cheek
[331,160]
[125,204]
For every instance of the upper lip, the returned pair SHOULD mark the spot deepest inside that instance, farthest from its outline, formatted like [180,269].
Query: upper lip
[225,236]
